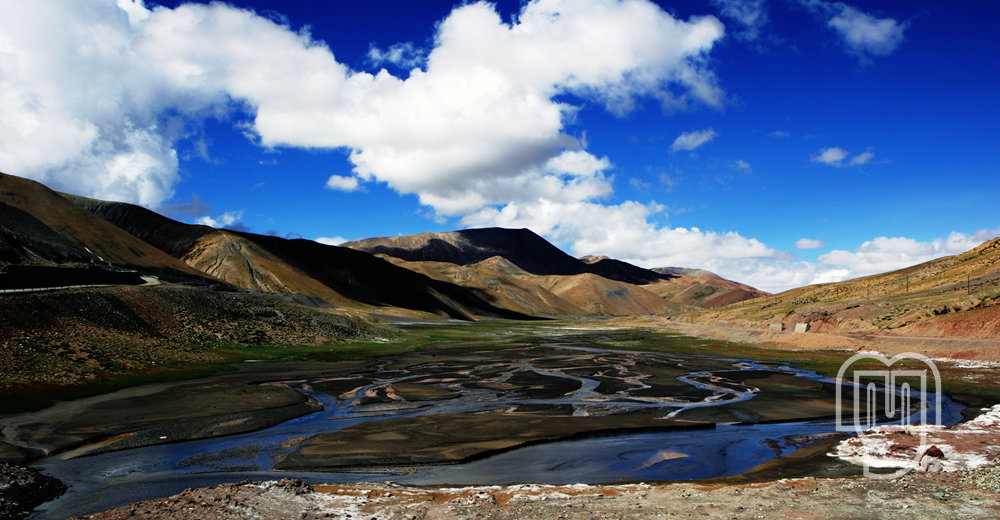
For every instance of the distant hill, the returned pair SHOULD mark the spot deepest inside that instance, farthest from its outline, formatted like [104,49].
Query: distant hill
[513,263]
[951,296]
[523,247]
[506,273]
[273,264]
[698,288]
[583,294]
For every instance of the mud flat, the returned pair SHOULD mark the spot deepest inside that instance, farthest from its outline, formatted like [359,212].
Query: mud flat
[158,414]
[440,439]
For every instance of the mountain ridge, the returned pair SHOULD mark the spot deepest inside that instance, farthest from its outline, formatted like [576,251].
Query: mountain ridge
[681,289]
[957,295]
[274,264]
[522,247]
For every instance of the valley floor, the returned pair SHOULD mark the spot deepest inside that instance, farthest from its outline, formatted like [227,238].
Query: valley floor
[765,493]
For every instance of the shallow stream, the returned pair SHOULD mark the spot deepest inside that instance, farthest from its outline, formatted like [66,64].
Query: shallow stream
[565,377]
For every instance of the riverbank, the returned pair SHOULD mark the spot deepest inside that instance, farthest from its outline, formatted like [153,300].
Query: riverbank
[952,495]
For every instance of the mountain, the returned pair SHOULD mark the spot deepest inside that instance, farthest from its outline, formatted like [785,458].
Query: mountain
[951,296]
[698,288]
[583,294]
[40,227]
[611,287]
[506,273]
[272,264]
[523,247]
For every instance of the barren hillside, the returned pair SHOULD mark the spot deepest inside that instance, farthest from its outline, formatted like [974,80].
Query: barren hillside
[951,296]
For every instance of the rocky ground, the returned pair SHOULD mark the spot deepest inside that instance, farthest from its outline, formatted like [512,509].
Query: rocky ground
[919,495]
[79,336]
[22,489]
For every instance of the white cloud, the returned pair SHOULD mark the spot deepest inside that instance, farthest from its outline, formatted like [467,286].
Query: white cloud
[883,254]
[77,108]
[690,140]
[779,134]
[331,241]
[863,35]
[832,156]
[835,156]
[627,231]
[750,14]
[861,159]
[809,243]
[227,219]
[81,108]
[404,55]
[343,183]
[740,164]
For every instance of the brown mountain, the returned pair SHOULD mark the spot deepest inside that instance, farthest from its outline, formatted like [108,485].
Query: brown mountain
[613,287]
[950,296]
[583,294]
[41,227]
[336,274]
[523,247]
[698,288]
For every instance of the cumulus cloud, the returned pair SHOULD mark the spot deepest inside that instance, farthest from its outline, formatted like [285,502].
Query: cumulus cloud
[229,219]
[343,183]
[77,108]
[628,231]
[888,253]
[84,108]
[809,243]
[835,156]
[863,35]
[750,14]
[690,140]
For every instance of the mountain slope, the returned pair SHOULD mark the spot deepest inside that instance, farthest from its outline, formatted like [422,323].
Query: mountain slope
[221,253]
[39,226]
[550,295]
[523,247]
[950,296]
[532,255]
[272,264]
[697,288]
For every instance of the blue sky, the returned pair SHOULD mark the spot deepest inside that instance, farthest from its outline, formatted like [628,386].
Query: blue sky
[776,142]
